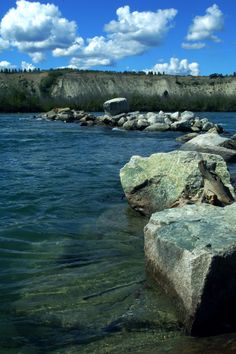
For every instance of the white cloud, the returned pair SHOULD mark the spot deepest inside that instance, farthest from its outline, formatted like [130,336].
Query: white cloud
[197,45]
[33,27]
[36,29]
[6,65]
[133,33]
[147,28]
[86,63]
[72,50]
[27,66]
[177,67]
[203,27]
[37,57]
[4,44]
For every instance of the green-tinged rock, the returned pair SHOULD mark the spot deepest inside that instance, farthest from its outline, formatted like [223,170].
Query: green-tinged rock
[191,252]
[158,182]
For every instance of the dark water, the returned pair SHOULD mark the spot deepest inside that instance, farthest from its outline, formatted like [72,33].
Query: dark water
[72,269]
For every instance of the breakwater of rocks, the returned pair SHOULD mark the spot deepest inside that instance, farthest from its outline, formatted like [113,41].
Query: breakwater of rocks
[151,121]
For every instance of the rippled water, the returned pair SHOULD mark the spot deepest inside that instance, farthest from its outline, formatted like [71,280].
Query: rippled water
[72,269]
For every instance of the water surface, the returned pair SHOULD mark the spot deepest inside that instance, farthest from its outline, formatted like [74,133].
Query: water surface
[72,267]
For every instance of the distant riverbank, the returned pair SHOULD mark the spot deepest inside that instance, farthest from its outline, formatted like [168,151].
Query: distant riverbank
[87,90]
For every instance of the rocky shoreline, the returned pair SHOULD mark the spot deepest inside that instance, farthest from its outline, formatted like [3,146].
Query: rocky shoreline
[190,239]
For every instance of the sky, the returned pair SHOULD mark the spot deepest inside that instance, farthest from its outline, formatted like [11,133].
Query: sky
[172,36]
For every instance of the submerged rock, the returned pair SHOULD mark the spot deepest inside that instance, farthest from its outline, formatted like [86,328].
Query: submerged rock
[191,252]
[116,106]
[165,180]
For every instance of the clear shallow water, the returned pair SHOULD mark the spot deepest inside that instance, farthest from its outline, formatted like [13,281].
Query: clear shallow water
[72,269]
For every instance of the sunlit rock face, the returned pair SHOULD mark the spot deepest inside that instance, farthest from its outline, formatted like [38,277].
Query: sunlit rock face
[191,252]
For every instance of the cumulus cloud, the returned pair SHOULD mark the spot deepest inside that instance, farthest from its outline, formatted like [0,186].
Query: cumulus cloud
[132,33]
[86,63]
[4,44]
[204,28]
[33,27]
[147,28]
[36,29]
[27,66]
[71,50]
[6,65]
[177,67]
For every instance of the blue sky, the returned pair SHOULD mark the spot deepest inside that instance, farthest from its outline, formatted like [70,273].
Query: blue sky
[173,36]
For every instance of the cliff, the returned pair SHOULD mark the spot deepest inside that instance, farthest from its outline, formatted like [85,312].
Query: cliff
[87,89]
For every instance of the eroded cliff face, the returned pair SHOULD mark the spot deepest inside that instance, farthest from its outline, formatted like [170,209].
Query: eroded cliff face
[80,86]
[72,85]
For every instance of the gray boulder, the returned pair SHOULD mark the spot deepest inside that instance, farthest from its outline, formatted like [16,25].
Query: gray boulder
[130,125]
[142,124]
[65,116]
[187,115]
[191,252]
[175,116]
[116,106]
[163,180]
[186,137]
[157,127]
[182,125]
[211,143]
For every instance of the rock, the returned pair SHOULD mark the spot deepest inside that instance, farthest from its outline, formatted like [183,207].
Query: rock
[152,118]
[157,127]
[191,252]
[182,125]
[187,115]
[50,115]
[163,180]
[118,117]
[65,116]
[195,129]
[167,121]
[105,120]
[121,121]
[213,130]
[116,106]
[233,137]
[186,137]
[63,110]
[197,123]
[210,143]
[142,124]
[130,125]
[175,116]
[229,144]
[207,126]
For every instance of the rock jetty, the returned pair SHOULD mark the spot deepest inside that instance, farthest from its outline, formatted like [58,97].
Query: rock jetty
[117,115]
[68,115]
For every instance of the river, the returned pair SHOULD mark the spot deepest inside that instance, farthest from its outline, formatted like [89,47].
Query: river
[72,268]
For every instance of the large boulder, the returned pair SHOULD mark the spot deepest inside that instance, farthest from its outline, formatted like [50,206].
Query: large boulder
[211,143]
[191,252]
[163,180]
[116,106]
